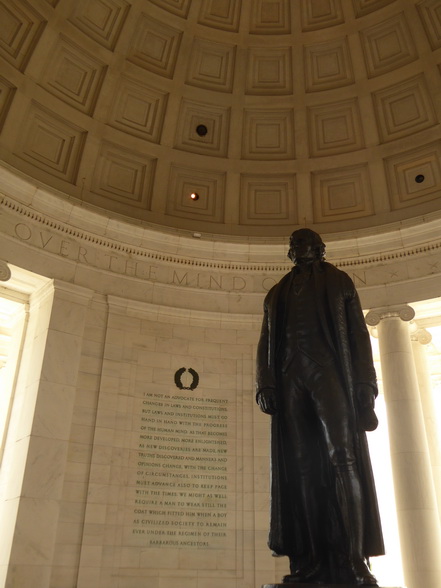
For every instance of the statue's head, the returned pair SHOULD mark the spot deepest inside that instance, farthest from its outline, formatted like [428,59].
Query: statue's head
[306,246]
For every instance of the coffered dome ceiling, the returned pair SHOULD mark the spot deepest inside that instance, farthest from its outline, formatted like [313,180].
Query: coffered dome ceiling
[274,113]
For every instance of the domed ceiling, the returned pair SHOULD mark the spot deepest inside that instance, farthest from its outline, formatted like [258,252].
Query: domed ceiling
[272,113]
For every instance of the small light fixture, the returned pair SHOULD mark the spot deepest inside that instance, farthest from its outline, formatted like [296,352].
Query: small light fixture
[194,196]
[419,179]
[201,130]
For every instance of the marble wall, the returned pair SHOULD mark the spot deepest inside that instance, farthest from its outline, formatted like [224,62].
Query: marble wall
[171,459]
[139,456]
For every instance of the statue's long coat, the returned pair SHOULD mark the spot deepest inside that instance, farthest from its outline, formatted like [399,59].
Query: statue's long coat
[345,330]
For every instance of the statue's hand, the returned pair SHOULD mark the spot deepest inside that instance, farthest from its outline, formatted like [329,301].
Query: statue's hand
[267,401]
[366,403]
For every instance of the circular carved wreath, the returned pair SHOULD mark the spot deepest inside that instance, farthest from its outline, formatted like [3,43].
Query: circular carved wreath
[178,380]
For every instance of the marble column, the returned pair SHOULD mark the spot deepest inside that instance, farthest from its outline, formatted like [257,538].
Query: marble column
[417,513]
[420,338]
[34,462]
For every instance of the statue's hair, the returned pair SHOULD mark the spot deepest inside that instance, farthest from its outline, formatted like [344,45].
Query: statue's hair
[318,244]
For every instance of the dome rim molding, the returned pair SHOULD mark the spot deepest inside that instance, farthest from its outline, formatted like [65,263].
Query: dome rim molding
[340,259]
[371,246]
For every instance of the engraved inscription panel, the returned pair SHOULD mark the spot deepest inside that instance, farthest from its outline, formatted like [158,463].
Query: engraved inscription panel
[182,494]
[166,478]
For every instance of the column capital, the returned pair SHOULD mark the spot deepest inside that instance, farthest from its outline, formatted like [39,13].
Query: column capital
[421,336]
[5,272]
[403,311]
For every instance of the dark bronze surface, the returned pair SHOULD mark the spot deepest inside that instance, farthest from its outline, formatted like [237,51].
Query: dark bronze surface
[316,378]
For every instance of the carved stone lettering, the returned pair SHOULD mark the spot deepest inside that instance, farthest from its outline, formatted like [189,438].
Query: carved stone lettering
[182,478]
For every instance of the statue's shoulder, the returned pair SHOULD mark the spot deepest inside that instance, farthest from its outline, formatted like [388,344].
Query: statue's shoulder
[334,271]
[338,280]
[273,291]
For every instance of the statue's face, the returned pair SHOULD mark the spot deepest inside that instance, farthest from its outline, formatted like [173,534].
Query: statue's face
[304,247]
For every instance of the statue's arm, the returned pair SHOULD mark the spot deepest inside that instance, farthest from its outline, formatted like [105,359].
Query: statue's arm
[365,400]
[267,400]
[266,396]
[363,370]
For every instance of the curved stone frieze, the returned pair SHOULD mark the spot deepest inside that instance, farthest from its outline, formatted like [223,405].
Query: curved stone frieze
[24,231]
[90,249]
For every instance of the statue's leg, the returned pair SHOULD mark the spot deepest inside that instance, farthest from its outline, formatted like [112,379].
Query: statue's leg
[300,430]
[311,568]
[337,422]
[349,496]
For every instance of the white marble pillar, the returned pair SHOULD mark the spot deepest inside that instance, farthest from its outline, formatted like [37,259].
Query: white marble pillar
[421,337]
[417,513]
[34,462]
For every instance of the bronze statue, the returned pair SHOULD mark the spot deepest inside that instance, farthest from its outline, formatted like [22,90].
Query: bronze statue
[315,376]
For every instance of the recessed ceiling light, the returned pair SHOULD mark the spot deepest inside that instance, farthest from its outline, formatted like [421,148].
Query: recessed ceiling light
[201,130]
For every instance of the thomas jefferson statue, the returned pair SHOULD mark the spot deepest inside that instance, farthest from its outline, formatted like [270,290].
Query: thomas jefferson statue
[315,376]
